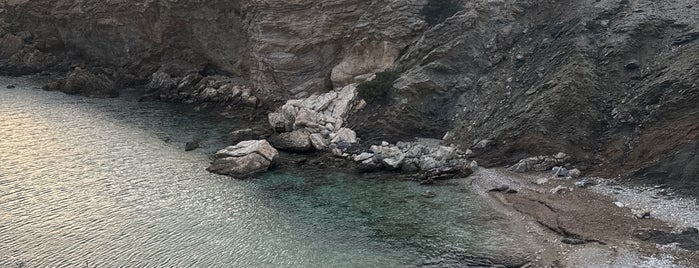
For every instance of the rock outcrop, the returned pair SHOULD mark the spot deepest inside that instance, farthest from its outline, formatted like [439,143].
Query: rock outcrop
[84,82]
[427,159]
[244,159]
[315,122]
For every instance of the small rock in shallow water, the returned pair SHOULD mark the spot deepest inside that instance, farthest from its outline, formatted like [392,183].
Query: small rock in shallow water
[428,194]
[191,146]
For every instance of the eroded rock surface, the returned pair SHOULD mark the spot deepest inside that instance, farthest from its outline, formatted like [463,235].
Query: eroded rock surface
[244,159]
[315,122]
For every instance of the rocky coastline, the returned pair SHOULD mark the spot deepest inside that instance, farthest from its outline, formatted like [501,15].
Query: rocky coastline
[580,90]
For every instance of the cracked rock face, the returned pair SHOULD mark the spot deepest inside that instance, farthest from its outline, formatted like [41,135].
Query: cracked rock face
[244,159]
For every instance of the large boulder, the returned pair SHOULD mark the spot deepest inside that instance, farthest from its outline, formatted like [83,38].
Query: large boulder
[244,159]
[84,82]
[295,141]
[316,113]
[161,81]
[315,122]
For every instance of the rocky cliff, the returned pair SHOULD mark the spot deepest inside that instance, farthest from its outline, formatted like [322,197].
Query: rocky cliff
[613,83]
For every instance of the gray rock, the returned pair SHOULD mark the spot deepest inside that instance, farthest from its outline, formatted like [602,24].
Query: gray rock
[345,135]
[363,156]
[581,184]
[483,144]
[500,188]
[541,181]
[84,82]
[427,162]
[295,141]
[559,189]
[10,86]
[243,148]
[161,81]
[444,153]
[392,157]
[188,82]
[318,142]
[240,167]
[560,171]
[574,173]
[244,159]
[239,135]
[191,146]
[428,194]
[473,165]
[538,163]
[641,213]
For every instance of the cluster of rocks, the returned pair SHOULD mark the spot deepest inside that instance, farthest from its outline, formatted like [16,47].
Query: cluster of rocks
[194,88]
[316,122]
[540,163]
[244,159]
[20,54]
[84,82]
[428,159]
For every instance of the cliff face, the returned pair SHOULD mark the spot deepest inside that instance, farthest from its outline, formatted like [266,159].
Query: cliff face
[130,38]
[611,82]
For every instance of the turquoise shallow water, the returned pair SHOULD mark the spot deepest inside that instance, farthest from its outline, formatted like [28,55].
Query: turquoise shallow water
[106,183]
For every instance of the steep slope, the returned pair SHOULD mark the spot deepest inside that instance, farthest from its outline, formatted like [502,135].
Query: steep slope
[613,83]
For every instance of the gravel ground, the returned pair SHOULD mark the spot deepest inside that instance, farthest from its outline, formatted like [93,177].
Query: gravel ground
[676,210]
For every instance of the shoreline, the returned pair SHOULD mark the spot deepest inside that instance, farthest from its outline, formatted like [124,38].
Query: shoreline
[619,247]
[533,206]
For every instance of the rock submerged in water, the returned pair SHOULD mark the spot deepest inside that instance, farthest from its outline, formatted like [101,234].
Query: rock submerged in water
[191,146]
[244,159]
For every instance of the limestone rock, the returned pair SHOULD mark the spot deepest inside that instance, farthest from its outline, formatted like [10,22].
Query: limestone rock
[244,159]
[295,141]
[318,142]
[365,58]
[539,163]
[345,135]
[392,157]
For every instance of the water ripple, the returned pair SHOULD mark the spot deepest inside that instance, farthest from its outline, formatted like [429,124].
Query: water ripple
[91,183]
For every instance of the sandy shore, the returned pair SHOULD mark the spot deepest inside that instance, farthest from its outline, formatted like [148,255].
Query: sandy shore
[597,222]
